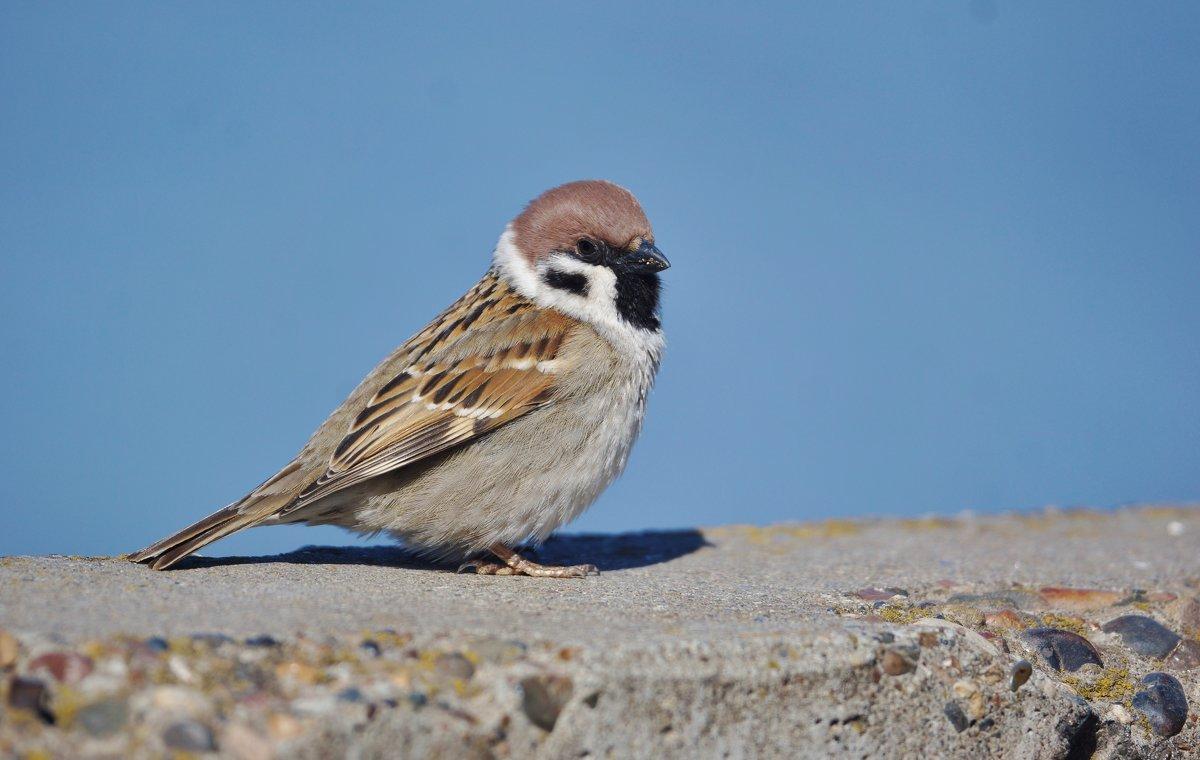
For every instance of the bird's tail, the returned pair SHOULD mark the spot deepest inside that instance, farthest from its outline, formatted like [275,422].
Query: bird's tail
[243,514]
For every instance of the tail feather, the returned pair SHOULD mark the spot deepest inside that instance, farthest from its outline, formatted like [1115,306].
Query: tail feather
[167,552]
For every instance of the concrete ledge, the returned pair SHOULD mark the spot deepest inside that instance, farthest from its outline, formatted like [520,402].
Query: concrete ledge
[893,638]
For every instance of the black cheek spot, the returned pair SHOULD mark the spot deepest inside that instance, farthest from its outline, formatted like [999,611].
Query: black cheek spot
[568,281]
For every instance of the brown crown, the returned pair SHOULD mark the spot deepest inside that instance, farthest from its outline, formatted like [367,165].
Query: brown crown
[598,209]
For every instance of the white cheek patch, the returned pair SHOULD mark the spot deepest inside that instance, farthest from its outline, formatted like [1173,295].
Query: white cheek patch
[597,302]
[597,305]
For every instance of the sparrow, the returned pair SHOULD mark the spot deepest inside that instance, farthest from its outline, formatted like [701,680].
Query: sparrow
[500,421]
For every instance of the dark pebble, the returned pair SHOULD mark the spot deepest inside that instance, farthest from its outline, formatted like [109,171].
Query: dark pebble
[157,644]
[350,694]
[103,718]
[371,647]
[956,716]
[190,736]
[417,699]
[1185,656]
[1062,650]
[543,698]
[1144,635]
[1163,703]
[30,694]
[262,641]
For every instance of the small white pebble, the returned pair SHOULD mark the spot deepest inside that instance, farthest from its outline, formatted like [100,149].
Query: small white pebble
[1120,714]
[964,689]
[180,669]
[1175,528]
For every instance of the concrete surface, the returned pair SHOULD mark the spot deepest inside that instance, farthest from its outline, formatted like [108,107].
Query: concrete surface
[739,641]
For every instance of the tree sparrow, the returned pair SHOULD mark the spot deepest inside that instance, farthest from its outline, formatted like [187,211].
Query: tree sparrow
[505,417]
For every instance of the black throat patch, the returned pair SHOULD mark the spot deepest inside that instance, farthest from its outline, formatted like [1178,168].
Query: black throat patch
[637,296]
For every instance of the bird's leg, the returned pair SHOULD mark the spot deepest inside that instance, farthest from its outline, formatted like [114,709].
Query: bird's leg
[522,566]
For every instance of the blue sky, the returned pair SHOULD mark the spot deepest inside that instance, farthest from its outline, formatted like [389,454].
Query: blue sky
[927,257]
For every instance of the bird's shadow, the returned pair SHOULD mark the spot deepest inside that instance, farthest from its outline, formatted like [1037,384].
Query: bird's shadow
[618,551]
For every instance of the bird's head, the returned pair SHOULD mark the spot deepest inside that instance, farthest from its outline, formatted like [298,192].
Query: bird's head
[586,248]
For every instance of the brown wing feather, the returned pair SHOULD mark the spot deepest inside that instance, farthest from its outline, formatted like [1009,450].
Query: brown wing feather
[474,381]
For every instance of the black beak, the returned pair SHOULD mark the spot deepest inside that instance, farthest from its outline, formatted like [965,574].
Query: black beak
[648,258]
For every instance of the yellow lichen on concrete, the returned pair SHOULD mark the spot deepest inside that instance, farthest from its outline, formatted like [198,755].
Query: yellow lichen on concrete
[1064,622]
[1110,685]
[895,613]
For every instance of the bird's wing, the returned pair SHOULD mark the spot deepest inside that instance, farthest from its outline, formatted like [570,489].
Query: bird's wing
[494,371]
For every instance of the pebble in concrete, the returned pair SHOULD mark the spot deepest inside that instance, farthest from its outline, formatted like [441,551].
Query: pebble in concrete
[64,667]
[1062,650]
[1078,599]
[262,641]
[8,650]
[543,698]
[1189,617]
[454,666]
[1019,674]
[1143,635]
[30,694]
[1186,655]
[103,718]
[895,663]
[156,644]
[1163,703]
[956,716]
[190,736]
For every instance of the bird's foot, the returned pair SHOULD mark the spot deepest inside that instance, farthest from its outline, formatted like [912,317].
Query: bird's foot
[521,566]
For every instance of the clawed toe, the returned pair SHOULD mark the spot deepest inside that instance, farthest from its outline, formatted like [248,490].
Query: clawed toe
[572,571]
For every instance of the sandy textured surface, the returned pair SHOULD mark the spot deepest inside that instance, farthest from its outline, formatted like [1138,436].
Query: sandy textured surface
[711,582]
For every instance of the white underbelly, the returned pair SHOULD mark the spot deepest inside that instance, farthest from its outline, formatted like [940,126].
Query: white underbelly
[519,483]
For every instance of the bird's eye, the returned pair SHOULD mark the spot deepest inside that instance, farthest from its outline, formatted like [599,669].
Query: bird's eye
[587,249]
